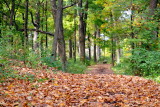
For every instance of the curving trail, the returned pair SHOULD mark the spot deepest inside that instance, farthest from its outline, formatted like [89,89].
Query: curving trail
[99,69]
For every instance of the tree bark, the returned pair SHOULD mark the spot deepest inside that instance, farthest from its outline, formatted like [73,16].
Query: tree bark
[26,24]
[46,19]
[118,51]
[75,32]
[37,26]
[112,43]
[58,13]
[98,47]
[70,48]
[12,13]
[89,46]
[132,19]
[54,12]
[95,52]
[81,32]
[1,17]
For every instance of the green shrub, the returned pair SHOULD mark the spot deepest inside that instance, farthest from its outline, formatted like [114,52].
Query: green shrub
[142,62]
[77,67]
[145,62]
[49,62]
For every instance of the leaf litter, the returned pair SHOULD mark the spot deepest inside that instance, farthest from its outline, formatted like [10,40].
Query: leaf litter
[51,89]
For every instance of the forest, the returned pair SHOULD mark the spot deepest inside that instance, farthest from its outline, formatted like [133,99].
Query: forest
[79,53]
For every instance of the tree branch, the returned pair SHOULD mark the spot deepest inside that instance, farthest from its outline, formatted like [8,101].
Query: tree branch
[40,31]
[70,5]
[33,20]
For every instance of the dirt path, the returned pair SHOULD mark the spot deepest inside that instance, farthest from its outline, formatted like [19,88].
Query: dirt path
[100,69]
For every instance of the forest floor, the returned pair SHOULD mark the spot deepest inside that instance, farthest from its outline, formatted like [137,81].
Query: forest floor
[101,88]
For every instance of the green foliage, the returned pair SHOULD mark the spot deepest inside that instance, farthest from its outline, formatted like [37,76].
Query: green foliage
[49,62]
[145,62]
[32,59]
[155,78]
[6,74]
[142,62]
[77,67]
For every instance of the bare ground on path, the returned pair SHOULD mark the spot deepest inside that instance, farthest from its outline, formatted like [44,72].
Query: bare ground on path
[99,69]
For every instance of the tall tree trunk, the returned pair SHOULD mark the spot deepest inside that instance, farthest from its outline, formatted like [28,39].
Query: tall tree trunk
[37,26]
[46,19]
[85,17]
[95,52]
[59,31]
[75,32]
[26,24]
[12,14]
[81,32]
[42,20]
[89,46]
[1,17]
[112,43]
[132,19]
[98,47]
[112,51]
[54,46]
[25,29]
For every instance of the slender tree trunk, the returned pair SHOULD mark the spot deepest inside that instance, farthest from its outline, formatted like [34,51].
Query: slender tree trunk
[132,19]
[112,43]
[70,48]
[85,17]
[26,24]
[25,29]
[37,26]
[75,47]
[98,47]
[42,20]
[89,46]
[46,19]
[1,17]
[95,52]
[118,54]
[75,32]
[112,52]
[12,14]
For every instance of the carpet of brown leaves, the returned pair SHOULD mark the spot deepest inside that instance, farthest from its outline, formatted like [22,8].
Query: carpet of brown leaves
[79,90]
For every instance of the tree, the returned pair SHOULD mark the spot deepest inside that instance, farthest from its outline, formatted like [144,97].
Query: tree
[57,11]
[82,28]
[26,23]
